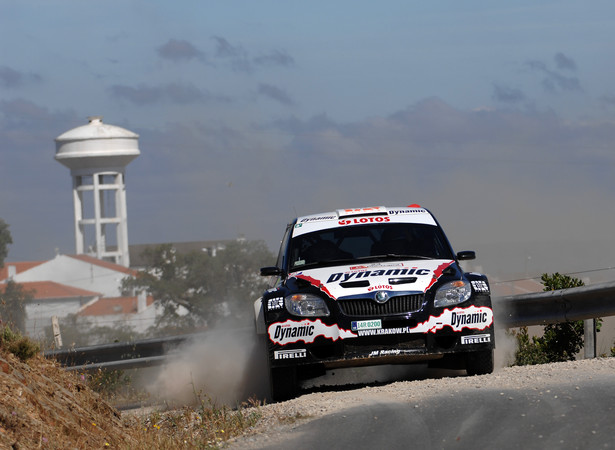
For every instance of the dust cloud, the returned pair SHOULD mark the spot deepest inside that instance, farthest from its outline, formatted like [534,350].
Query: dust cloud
[505,348]
[223,366]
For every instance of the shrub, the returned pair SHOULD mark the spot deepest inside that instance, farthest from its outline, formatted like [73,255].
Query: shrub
[22,347]
[559,342]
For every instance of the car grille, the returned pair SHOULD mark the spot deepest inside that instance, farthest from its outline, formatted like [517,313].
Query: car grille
[395,305]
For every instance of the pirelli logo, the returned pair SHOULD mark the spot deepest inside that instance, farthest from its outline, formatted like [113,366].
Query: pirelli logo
[476,339]
[290,354]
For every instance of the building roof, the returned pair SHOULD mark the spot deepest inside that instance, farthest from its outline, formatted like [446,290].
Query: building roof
[19,267]
[106,264]
[109,306]
[45,290]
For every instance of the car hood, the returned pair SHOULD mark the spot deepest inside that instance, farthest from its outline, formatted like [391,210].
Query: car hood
[356,279]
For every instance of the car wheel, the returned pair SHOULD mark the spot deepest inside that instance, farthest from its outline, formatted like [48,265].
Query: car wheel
[283,383]
[479,363]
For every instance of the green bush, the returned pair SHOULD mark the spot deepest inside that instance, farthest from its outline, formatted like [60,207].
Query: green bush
[22,347]
[559,342]
[530,351]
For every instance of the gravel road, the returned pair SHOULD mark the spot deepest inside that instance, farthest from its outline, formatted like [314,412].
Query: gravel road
[280,420]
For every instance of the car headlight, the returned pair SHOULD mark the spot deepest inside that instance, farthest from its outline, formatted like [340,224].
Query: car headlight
[306,305]
[452,293]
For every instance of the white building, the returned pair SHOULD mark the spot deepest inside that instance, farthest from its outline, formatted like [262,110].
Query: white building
[80,285]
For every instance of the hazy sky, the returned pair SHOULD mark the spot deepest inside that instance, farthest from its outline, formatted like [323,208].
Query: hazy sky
[500,119]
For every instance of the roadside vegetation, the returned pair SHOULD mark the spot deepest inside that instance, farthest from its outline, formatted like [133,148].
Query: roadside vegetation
[558,342]
[204,424]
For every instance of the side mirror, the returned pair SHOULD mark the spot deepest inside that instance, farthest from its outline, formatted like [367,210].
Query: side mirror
[271,271]
[466,255]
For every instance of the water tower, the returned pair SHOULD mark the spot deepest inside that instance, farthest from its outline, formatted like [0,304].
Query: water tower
[97,155]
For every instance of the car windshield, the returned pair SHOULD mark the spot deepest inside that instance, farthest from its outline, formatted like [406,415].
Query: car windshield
[368,242]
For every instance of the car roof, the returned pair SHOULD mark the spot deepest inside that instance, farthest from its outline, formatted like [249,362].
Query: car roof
[361,216]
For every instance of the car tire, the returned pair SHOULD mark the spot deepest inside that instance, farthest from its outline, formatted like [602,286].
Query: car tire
[479,363]
[283,383]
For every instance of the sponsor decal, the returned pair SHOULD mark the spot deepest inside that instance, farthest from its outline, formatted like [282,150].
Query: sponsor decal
[385,331]
[275,303]
[314,282]
[298,225]
[366,324]
[480,286]
[476,339]
[290,354]
[473,318]
[393,352]
[366,210]
[380,286]
[317,219]
[438,273]
[343,277]
[364,220]
[406,211]
[307,331]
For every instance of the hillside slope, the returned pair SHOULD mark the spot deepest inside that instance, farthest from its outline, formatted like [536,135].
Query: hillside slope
[45,407]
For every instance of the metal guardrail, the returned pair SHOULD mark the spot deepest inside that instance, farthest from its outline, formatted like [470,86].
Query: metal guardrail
[539,308]
[563,305]
[122,355]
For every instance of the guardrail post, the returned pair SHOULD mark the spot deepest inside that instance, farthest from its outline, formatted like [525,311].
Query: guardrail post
[589,331]
[57,337]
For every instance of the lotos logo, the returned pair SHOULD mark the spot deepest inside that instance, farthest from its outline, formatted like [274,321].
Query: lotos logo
[364,220]
[380,286]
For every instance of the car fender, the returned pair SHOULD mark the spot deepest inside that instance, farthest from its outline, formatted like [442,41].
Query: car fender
[259,317]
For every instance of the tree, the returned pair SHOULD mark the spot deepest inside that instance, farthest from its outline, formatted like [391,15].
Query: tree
[13,296]
[5,241]
[13,299]
[560,341]
[208,287]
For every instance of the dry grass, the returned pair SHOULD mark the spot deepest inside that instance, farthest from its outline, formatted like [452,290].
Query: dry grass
[205,426]
[44,406]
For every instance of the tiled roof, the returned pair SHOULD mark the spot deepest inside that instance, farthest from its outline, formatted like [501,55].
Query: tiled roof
[42,290]
[109,306]
[101,263]
[19,267]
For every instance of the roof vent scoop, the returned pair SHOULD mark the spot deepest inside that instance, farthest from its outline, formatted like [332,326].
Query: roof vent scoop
[373,211]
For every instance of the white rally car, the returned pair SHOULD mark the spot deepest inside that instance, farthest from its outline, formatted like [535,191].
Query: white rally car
[367,286]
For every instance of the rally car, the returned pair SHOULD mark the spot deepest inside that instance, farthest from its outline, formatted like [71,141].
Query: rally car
[368,286]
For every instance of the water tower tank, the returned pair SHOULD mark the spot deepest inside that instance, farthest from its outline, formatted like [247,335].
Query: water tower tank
[97,155]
